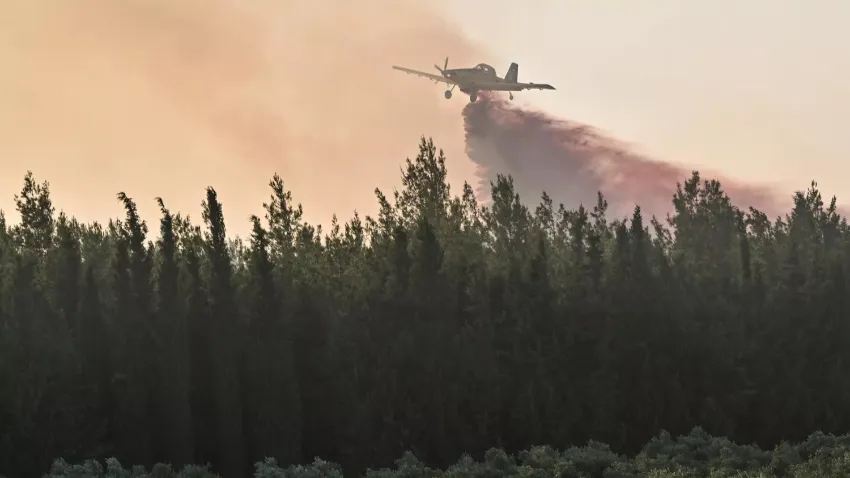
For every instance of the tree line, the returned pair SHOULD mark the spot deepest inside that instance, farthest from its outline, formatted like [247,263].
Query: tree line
[440,326]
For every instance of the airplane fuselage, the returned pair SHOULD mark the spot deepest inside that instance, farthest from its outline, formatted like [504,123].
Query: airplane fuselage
[471,75]
[483,74]
[482,77]
[467,78]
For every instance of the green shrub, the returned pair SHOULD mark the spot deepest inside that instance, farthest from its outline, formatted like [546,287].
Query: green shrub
[696,455]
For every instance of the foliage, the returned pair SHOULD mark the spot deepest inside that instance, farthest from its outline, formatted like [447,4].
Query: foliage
[696,455]
[440,326]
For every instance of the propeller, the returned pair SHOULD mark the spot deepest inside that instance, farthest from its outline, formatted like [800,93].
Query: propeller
[443,69]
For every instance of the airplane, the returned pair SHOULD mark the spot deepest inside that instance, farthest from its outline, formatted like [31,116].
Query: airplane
[482,77]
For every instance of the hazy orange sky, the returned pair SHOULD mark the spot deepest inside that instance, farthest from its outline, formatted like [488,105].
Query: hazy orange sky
[165,97]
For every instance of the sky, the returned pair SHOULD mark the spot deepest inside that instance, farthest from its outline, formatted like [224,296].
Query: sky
[758,90]
[166,97]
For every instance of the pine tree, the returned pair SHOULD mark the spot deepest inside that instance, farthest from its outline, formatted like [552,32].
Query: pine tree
[173,412]
[224,326]
[97,360]
[133,381]
[67,284]
[205,420]
[271,401]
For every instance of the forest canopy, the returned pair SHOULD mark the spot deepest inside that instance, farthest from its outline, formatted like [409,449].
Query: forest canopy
[440,326]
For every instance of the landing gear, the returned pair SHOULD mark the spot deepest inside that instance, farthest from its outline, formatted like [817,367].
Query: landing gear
[510,96]
[473,97]
[448,93]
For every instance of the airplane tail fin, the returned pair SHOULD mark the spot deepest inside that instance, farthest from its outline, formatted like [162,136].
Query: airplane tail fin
[513,73]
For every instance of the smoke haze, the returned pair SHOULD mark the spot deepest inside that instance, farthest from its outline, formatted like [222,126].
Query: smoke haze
[165,97]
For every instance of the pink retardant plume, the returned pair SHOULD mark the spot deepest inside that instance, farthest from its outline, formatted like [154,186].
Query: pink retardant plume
[572,161]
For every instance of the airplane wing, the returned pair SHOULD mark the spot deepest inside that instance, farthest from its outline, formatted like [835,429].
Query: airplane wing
[430,76]
[504,86]
[535,86]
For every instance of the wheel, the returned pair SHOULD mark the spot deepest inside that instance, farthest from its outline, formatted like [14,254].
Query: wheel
[473,97]
[448,94]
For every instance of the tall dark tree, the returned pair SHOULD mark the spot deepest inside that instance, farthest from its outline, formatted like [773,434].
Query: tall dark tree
[68,271]
[271,400]
[133,380]
[35,232]
[172,411]
[224,326]
[201,370]
[97,361]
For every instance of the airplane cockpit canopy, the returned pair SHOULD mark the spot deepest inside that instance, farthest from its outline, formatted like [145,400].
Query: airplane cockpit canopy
[485,67]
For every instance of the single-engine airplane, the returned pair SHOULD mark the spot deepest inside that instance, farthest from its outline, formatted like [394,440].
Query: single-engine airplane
[482,77]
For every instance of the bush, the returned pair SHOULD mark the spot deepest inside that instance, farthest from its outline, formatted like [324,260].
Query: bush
[697,455]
